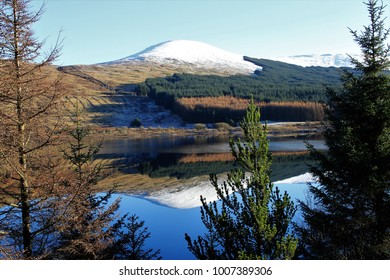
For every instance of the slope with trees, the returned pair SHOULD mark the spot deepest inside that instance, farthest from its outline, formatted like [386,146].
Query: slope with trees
[275,84]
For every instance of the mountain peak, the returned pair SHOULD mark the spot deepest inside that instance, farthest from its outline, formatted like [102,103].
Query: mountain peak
[194,53]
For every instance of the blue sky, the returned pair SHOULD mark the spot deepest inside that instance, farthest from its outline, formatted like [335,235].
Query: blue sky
[103,30]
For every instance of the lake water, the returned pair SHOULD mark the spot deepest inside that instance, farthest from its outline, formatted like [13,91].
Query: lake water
[170,213]
[191,145]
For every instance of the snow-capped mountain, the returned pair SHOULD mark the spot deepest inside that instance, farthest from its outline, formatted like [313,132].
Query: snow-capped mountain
[191,54]
[323,60]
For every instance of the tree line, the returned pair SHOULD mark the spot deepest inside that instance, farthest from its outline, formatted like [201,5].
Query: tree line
[231,110]
[277,81]
[189,166]
[275,84]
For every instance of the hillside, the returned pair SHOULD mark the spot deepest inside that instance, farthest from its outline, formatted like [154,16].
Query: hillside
[161,60]
[277,81]
[171,71]
[285,92]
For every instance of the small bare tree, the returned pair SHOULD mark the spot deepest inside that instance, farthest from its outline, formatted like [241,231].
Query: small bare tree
[29,95]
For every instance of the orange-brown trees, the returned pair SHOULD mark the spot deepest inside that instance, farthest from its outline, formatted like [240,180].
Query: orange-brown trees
[29,124]
[48,204]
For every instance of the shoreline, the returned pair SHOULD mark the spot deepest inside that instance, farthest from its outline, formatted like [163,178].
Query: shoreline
[282,129]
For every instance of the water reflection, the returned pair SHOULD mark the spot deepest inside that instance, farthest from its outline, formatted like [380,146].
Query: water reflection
[189,157]
[168,225]
[171,212]
[194,145]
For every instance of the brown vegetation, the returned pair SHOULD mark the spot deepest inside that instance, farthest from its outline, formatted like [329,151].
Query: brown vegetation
[223,108]
[30,121]
[120,75]
[206,158]
[227,156]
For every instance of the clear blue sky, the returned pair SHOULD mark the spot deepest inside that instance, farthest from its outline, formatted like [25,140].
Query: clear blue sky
[103,30]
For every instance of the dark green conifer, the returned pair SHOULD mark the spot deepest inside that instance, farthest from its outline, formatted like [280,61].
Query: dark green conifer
[253,220]
[348,217]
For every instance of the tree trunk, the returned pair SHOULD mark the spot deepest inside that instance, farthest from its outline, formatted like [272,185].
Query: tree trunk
[24,186]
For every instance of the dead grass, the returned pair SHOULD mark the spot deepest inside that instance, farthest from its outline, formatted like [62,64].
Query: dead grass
[206,158]
[135,73]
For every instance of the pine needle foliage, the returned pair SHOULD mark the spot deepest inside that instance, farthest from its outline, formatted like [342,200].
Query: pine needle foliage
[91,226]
[349,214]
[252,220]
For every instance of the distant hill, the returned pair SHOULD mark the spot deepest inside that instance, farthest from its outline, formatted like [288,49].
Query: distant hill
[285,92]
[277,81]
[192,55]
[197,58]
[161,60]
[323,60]
[171,71]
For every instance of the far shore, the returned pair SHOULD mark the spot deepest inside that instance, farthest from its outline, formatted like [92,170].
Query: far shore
[281,129]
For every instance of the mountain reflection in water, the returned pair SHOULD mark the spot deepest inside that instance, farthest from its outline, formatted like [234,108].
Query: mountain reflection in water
[171,212]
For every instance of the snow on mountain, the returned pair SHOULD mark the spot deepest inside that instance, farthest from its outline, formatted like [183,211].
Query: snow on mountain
[323,60]
[198,55]
[191,53]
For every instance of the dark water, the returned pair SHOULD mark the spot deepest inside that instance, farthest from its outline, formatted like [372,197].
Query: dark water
[168,156]
[191,145]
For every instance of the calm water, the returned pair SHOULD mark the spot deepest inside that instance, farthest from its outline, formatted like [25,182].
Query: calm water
[168,225]
[191,145]
[186,157]
[164,156]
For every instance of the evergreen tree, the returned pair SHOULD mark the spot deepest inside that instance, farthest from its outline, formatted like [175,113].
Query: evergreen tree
[349,214]
[90,226]
[253,220]
[131,235]
[84,225]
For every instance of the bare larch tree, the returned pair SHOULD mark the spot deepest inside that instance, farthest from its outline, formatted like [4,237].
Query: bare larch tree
[29,99]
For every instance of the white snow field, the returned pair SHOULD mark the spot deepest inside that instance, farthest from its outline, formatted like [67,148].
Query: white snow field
[204,56]
[323,60]
[194,53]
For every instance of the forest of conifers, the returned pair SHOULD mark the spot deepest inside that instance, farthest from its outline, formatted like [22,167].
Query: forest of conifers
[304,88]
